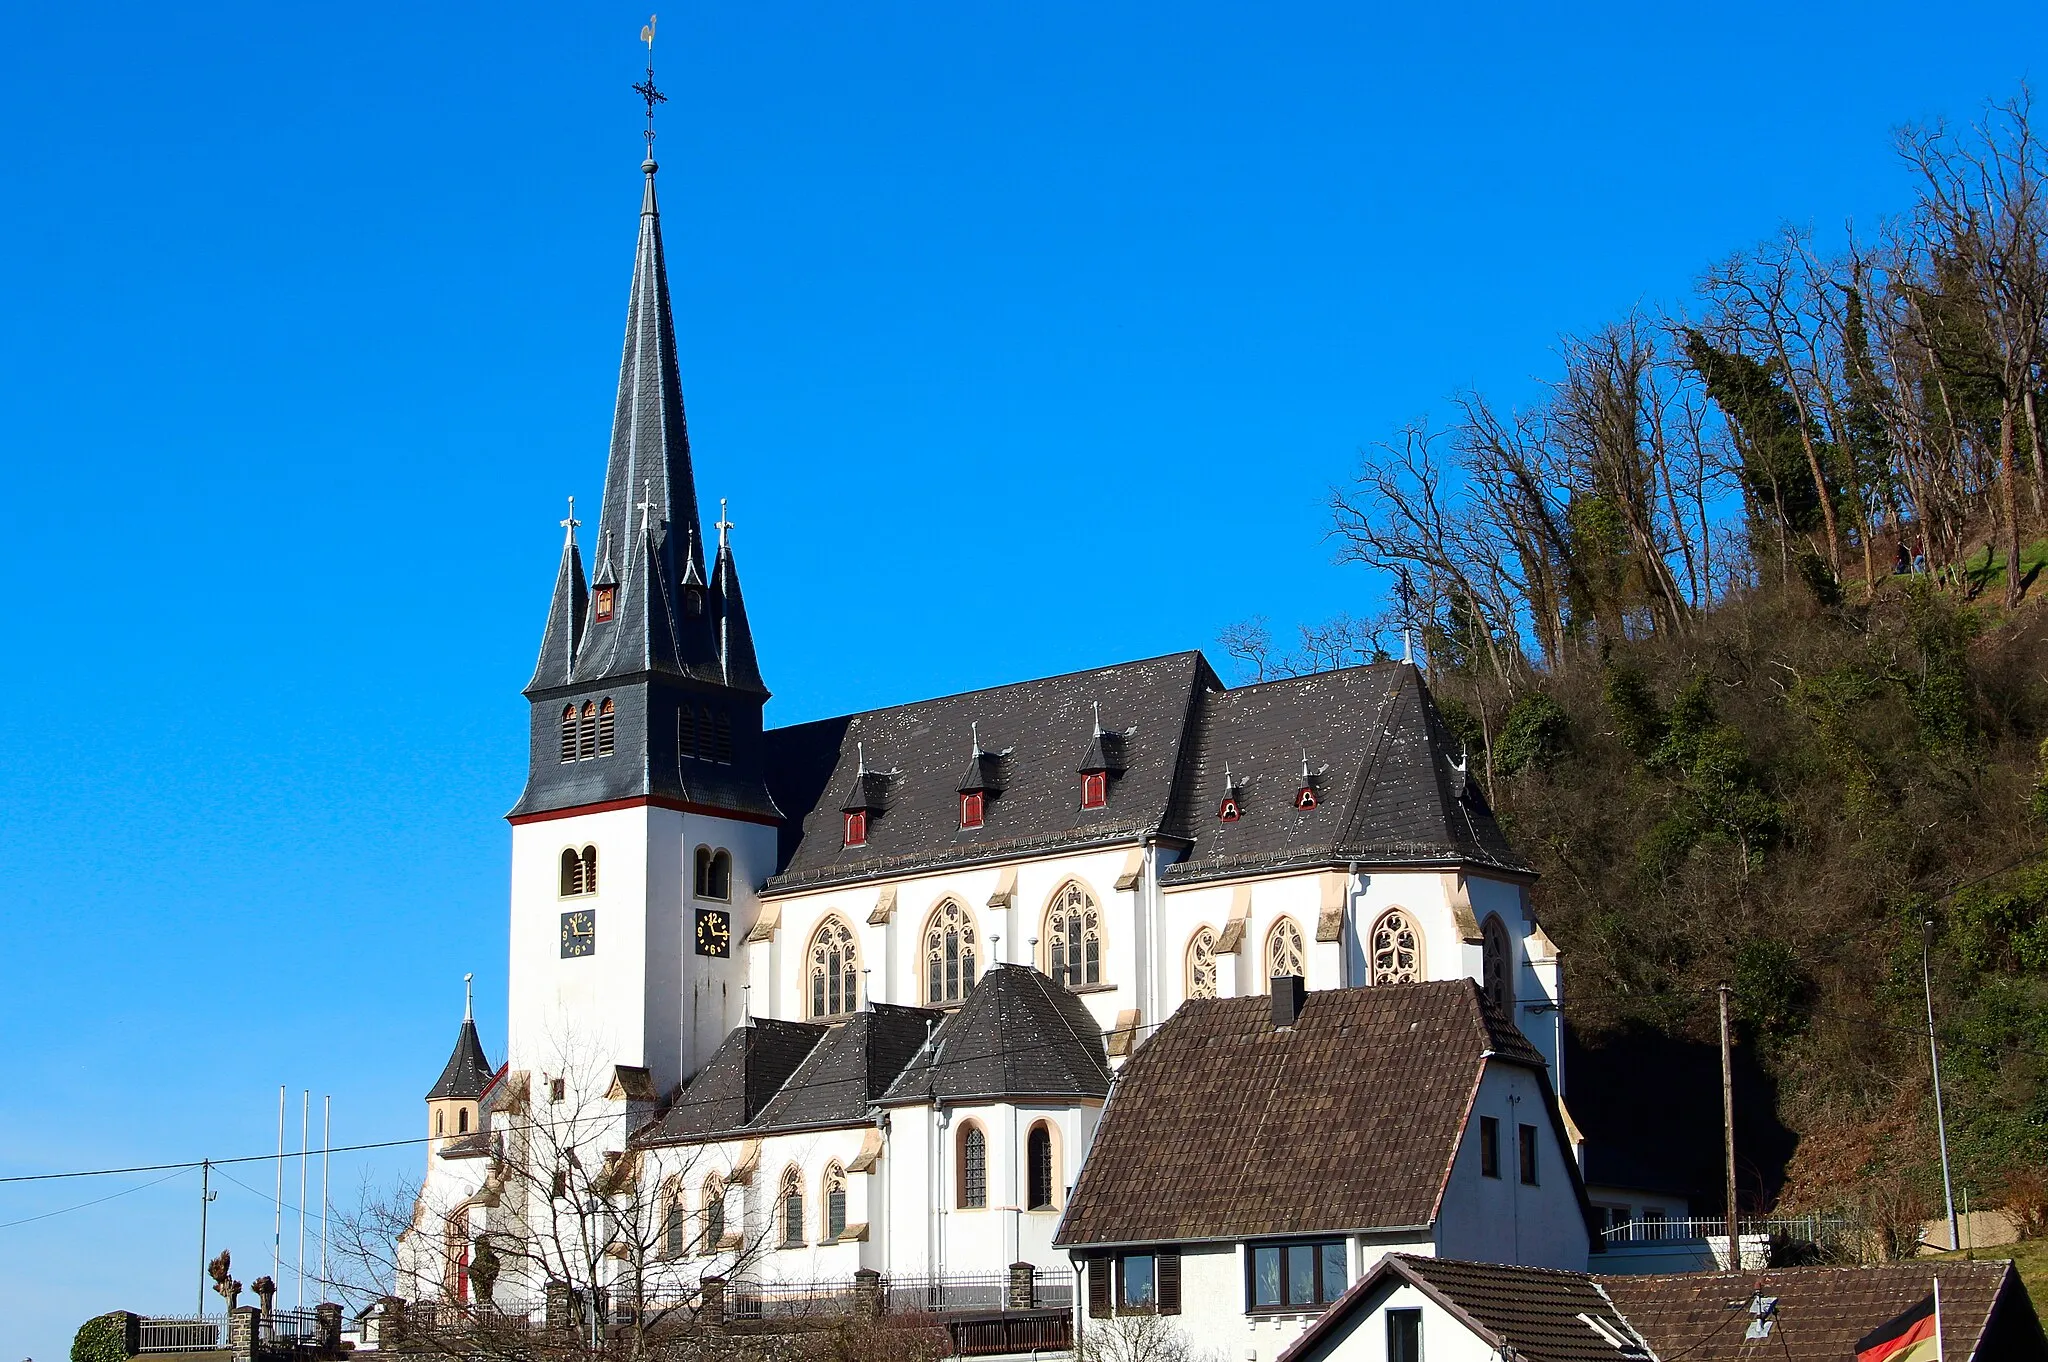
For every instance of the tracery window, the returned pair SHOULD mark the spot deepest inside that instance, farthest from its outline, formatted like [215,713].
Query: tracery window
[949,954]
[1202,965]
[579,871]
[675,1224]
[714,874]
[973,1167]
[835,1202]
[1496,965]
[835,969]
[1038,1184]
[1285,953]
[792,1208]
[607,715]
[1073,938]
[714,1212]
[1396,948]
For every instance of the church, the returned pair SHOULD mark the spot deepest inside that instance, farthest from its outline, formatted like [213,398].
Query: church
[853,995]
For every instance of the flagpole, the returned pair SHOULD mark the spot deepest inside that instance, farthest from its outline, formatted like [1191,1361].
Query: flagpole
[1938,1354]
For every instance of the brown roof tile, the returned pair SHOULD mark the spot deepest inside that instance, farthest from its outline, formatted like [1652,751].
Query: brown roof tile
[1222,1127]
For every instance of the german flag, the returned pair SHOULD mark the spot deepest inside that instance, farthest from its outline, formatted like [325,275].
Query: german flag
[1914,1336]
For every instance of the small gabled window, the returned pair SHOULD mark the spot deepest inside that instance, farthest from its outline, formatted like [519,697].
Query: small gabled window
[857,828]
[607,600]
[1094,789]
[1305,797]
[1229,811]
[971,809]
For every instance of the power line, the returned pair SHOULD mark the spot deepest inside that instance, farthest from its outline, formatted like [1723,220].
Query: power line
[115,1196]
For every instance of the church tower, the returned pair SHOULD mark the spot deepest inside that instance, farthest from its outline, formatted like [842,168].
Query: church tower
[452,1101]
[646,822]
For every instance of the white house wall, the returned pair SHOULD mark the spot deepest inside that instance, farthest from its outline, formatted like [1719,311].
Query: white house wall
[1362,1337]
[1502,1220]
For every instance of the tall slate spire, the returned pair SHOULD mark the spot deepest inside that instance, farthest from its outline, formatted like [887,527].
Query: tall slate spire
[648,531]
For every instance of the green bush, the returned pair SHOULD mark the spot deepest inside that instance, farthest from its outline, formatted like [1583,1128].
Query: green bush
[1535,735]
[99,1339]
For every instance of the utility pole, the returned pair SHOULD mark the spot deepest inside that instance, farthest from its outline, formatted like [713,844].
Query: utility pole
[1948,1188]
[206,1197]
[1728,1133]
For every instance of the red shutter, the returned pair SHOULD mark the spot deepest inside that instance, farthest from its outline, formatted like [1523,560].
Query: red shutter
[1167,1283]
[856,829]
[1098,1287]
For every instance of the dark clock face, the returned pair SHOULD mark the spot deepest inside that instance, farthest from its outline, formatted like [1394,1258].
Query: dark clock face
[579,933]
[714,932]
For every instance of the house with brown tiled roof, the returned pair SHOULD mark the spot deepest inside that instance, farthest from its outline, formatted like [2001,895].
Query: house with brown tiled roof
[1410,1308]
[1259,1155]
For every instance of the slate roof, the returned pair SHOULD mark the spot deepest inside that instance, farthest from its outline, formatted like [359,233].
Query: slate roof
[1222,1127]
[1532,1310]
[1385,770]
[1018,1034]
[1822,1311]
[742,1076]
[849,1069]
[468,1073]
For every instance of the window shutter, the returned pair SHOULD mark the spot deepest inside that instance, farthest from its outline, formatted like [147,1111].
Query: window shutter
[1098,1287]
[1167,1283]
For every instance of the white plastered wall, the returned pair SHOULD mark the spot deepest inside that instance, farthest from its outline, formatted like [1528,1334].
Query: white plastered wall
[930,1231]
[1362,1336]
[1503,1220]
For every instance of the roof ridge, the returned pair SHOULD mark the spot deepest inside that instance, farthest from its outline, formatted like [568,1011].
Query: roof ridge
[988,690]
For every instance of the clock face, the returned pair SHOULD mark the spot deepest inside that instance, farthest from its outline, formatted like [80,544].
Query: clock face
[714,932]
[579,933]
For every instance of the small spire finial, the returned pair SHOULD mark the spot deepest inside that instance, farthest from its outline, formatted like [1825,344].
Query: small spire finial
[571,522]
[645,89]
[646,505]
[1098,718]
[974,728]
[468,999]
[724,524]
[860,752]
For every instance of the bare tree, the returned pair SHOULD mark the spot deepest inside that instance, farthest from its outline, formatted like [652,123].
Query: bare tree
[1140,1338]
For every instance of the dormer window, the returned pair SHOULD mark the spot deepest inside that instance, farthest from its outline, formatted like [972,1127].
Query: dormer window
[1230,810]
[693,601]
[1305,798]
[1094,789]
[971,809]
[857,827]
[607,601]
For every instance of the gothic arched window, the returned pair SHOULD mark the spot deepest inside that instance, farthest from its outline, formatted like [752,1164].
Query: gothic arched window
[949,954]
[568,733]
[1497,965]
[714,874]
[675,1223]
[835,1202]
[1038,1186]
[1284,951]
[1396,948]
[586,732]
[607,715]
[1073,938]
[714,1212]
[792,1208]
[835,969]
[973,1167]
[1202,965]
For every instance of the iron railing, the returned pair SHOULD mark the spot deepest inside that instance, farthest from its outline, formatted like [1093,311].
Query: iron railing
[789,1300]
[183,1333]
[287,1327]
[1695,1229]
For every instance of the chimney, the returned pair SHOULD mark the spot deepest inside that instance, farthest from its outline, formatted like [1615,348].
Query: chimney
[1289,992]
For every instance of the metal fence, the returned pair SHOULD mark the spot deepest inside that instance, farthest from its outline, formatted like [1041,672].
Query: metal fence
[1809,1229]
[184,1333]
[287,1327]
[789,1300]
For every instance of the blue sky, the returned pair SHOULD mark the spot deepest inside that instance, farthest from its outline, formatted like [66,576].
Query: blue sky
[1022,338]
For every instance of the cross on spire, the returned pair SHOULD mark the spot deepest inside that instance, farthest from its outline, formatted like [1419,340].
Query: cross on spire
[724,524]
[570,522]
[646,506]
[645,89]
[468,999]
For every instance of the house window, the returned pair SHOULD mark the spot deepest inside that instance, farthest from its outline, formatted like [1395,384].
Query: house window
[1202,965]
[607,715]
[1285,953]
[1073,938]
[586,732]
[1094,789]
[1489,1147]
[792,1209]
[835,1203]
[1038,1189]
[607,601]
[568,733]
[714,1212]
[1396,949]
[1136,1283]
[714,874]
[857,828]
[835,970]
[973,1168]
[970,809]
[1496,959]
[1404,1336]
[579,871]
[949,954]
[1528,1153]
[1302,1274]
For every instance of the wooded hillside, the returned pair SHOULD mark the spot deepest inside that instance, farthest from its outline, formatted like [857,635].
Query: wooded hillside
[1739,622]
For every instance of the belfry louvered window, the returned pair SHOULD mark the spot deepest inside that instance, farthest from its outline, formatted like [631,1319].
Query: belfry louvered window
[579,871]
[686,732]
[568,733]
[721,750]
[605,724]
[586,732]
